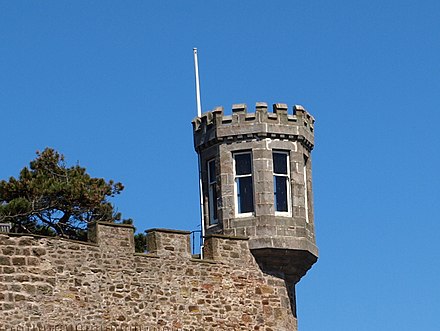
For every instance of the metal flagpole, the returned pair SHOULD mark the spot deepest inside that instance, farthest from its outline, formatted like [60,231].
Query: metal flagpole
[199,114]
[196,68]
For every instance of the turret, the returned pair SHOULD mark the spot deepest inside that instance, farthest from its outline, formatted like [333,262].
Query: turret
[257,182]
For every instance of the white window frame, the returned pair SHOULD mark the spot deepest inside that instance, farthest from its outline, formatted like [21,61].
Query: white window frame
[288,184]
[247,214]
[212,185]
[306,189]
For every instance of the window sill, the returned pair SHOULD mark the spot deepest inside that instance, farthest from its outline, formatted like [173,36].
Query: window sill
[282,214]
[243,215]
[210,226]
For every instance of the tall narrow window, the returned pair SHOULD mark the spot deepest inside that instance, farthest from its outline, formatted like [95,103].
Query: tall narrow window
[212,193]
[281,181]
[244,192]
[306,190]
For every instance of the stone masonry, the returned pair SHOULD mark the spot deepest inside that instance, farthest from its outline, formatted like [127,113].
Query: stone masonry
[251,260]
[52,281]
[238,155]
[283,243]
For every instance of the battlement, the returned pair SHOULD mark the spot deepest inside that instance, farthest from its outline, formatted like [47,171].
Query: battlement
[214,127]
[54,281]
[117,241]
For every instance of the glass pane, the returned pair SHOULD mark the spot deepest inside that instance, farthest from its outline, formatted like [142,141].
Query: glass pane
[245,195]
[243,164]
[280,163]
[213,204]
[280,189]
[211,171]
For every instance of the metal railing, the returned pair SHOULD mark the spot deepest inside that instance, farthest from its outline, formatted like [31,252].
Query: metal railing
[196,240]
[5,227]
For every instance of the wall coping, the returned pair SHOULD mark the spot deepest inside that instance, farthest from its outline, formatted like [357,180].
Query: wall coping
[167,231]
[39,236]
[180,234]
[118,225]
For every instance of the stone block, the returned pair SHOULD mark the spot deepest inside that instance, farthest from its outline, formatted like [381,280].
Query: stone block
[263,209]
[18,260]
[38,251]
[266,231]
[5,260]
[239,108]
[164,242]
[8,250]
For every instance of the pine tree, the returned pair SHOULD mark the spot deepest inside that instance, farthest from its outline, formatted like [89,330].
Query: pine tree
[49,198]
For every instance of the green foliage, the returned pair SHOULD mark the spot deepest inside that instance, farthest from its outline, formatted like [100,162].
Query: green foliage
[140,242]
[51,199]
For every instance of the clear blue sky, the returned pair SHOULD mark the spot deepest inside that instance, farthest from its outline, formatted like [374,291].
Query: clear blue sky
[111,84]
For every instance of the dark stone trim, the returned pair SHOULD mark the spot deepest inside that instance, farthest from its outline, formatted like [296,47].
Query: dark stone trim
[223,236]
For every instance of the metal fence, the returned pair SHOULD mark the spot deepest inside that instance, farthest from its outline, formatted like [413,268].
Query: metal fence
[196,240]
[5,227]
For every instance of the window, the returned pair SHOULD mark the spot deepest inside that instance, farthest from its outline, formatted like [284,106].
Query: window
[281,181]
[212,193]
[244,192]
[306,190]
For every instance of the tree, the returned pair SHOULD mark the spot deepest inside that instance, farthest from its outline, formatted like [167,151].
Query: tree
[140,242]
[50,198]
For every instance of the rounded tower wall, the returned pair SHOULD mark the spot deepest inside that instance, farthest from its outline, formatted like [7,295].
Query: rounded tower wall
[256,175]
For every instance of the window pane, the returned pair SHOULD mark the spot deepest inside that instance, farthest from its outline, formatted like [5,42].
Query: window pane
[242,164]
[280,189]
[213,203]
[211,171]
[280,163]
[245,195]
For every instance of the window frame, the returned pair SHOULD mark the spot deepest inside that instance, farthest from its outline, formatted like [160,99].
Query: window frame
[306,189]
[287,177]
[236,193]
[212,193]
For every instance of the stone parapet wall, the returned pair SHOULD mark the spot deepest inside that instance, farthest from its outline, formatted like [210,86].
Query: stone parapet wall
[53,281]
[213,126]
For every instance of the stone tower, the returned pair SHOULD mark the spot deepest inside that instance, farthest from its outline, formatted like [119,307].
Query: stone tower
[257,182]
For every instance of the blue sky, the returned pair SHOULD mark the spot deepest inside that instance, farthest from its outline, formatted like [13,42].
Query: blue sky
[111,84]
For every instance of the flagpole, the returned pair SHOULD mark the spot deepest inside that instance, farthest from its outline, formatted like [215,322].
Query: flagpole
[199,114]
[196,68]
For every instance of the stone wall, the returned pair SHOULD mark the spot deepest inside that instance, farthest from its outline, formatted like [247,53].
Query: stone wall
[53,281]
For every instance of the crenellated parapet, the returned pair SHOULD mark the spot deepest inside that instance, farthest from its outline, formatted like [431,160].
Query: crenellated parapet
[47,281]
[214,127]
